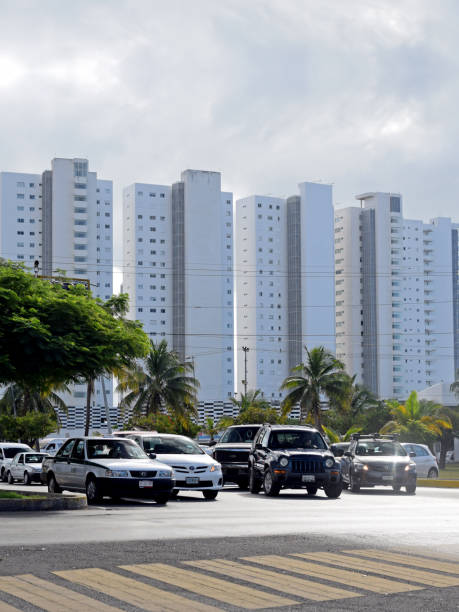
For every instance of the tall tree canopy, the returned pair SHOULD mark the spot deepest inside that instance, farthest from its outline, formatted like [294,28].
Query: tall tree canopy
[50,335]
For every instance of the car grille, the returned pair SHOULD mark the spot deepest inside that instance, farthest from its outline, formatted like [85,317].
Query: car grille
[386,467]
[201,483]
[307,466]
[143,473]
[232,456]
[184,469]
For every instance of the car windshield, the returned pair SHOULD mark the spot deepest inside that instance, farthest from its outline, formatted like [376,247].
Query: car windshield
[296,440]
[171,446]
[35,458]
[114,449]
[237,435]
[380,448]
[12,451]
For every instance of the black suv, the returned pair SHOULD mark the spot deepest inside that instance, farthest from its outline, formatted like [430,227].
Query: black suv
[375,460]
[292,457]
[232,452]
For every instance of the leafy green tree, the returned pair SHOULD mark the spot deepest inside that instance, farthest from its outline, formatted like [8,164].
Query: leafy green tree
[164,383]
[164,423]
[18,400]
[51,335]
[257,414]
[351,407]
[415,422]
[321,374]
[28,428]
[335,437]
[251,399]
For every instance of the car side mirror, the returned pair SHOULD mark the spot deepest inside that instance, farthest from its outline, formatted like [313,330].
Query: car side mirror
[347,454]
[212,443]
[412,454]
[152,455]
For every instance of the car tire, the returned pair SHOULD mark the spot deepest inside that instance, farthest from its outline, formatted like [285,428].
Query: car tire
[411,488]
[93,494]
[333,490]
[254,483]
[311,489]
[270,487]
[345,485]
[243,484]
[3,477]
[27,480]
[10,478]
[174,494]
[210,495]
[353,486]
[161,498]
[396,488]
[432,473]
[53,487]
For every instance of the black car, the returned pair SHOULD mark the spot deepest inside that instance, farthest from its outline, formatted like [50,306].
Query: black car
[375,460]
[232,452]
[292,457]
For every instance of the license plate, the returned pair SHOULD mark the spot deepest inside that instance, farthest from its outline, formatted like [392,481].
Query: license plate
[144,484]
[192,480]
[308,478]
[388,478]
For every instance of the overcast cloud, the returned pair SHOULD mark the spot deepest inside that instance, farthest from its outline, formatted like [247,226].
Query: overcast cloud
[362,93]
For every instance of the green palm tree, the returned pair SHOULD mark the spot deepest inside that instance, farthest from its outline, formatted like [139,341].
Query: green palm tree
[165,383]
[320,375]
[415,421]
[251,399]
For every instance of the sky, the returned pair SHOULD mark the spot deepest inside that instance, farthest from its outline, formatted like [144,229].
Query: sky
[362,94]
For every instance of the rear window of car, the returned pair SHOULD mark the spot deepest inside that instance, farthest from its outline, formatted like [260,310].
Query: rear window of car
[37,458]
[239,435]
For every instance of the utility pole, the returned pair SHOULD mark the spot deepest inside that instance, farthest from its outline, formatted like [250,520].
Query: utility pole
[244,382]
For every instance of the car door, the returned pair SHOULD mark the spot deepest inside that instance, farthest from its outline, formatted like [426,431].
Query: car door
[77,472]
[346,461]
[61,464]
[15,473]
[254,450]
[422,460]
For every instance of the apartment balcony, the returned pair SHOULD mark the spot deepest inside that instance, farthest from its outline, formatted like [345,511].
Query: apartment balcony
[427,231]
[427,241]
[430,341]
[428,321]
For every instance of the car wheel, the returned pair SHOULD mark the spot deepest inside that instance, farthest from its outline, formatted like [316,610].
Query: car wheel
[53,487]
[173,494]
[254,483]
[3,476]
[27,480]
[93,491]
[353,485]
[433,473]
[311,489]
[333,490]
[345,485]
[210,494]
[271,488]
[10,478]
[243,484]
[161,498]
[411,488]
[396,488]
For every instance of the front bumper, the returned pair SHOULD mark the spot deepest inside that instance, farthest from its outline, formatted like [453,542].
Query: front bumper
[213,483]
[297,481]
[130,487]
[373,478]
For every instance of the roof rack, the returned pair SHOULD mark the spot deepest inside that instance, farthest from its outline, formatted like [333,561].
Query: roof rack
[375,436]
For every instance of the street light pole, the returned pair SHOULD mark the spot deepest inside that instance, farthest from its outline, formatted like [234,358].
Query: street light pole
[244,382]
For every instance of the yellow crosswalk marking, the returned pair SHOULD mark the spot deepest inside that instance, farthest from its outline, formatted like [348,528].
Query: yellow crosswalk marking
[134,592]
[394,571]
[4,607]
[214,588]
[353,579]
[441,566]
[279,582]
[49,596]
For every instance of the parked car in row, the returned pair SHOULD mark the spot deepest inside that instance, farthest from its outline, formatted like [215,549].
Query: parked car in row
[194,469]
[8,450]
[51,445]
[377,460]
[232,452]
[26,467]
[292,457]
[425,460]
[113,467]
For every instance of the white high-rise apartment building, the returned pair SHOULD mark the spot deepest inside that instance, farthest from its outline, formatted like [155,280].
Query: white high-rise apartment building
[62,218]
[394,289]
[178,271]
[284,284]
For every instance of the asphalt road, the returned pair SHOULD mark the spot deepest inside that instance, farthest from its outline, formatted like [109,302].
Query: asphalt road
[236,526]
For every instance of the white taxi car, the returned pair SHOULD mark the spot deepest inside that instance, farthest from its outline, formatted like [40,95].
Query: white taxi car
[26,467]
[194,469]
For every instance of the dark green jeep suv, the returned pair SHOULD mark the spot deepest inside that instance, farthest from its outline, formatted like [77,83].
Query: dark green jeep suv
[292,457]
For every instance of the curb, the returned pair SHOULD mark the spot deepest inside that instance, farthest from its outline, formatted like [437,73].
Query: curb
[51,501]
[435,483]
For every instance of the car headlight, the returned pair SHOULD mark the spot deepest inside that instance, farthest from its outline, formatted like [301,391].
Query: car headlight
[359,466]
[283,461]
[215,467]
[117,474]
[329,462]
[410,466]
[165,474]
